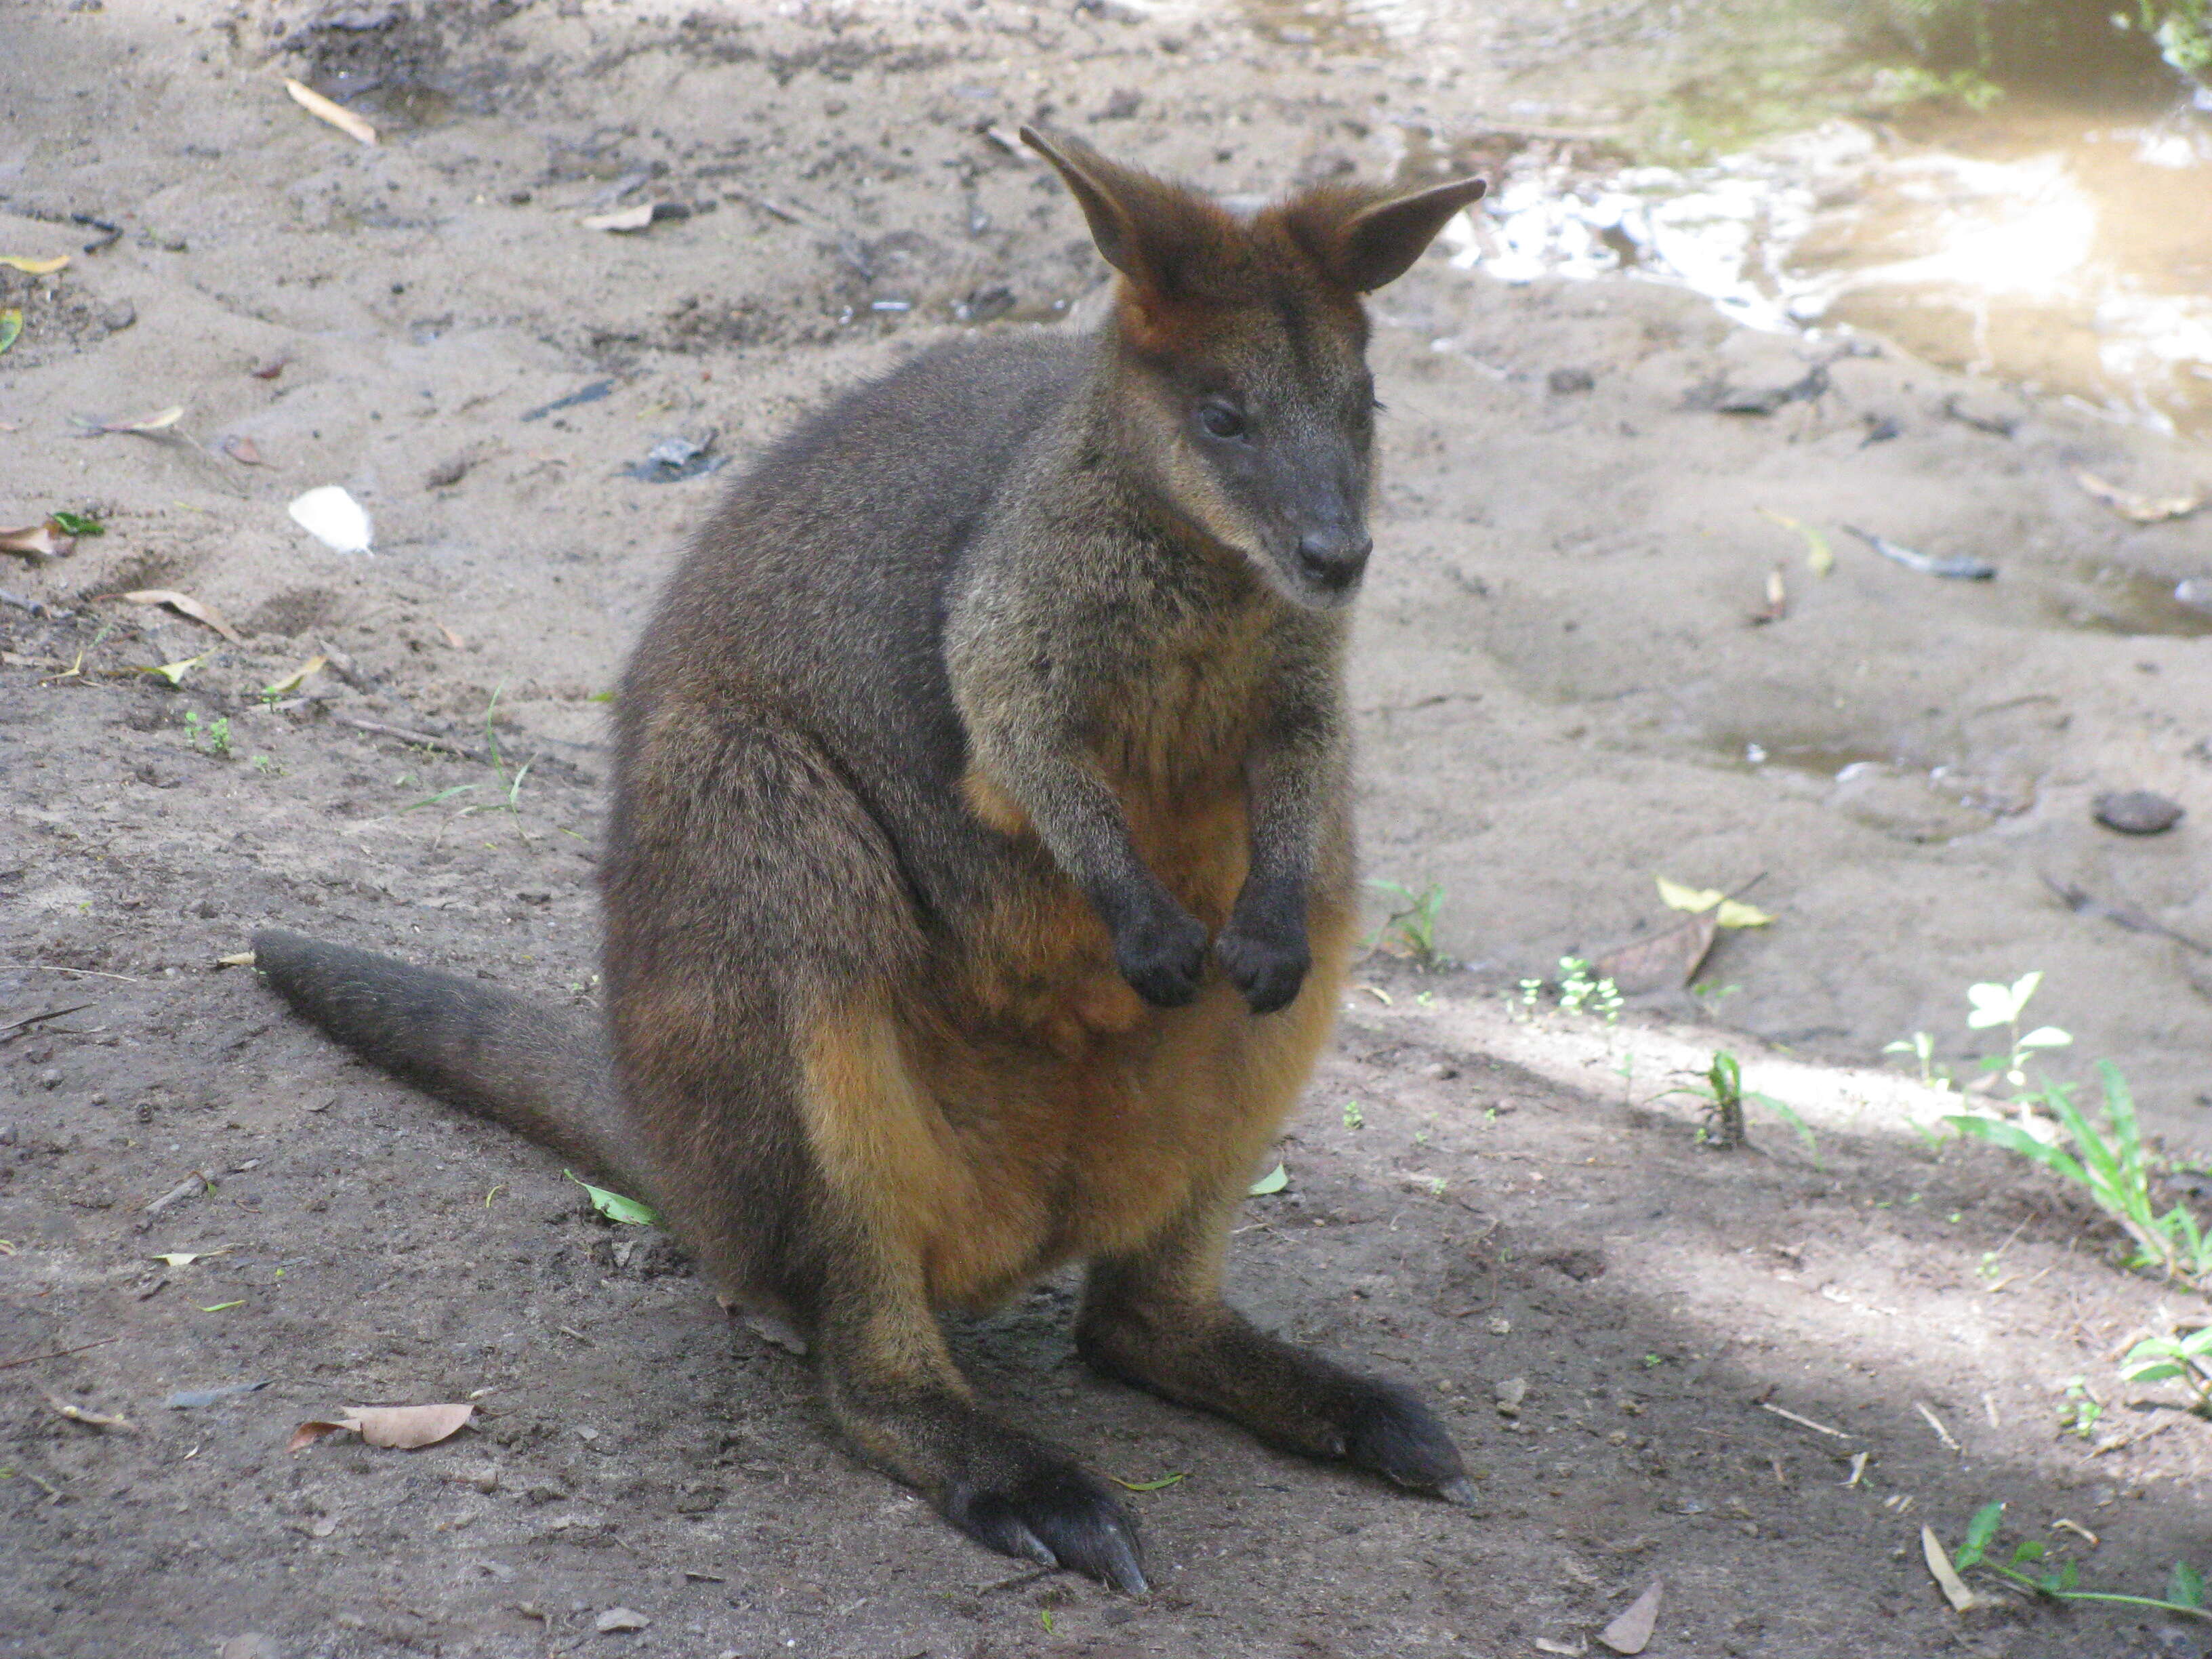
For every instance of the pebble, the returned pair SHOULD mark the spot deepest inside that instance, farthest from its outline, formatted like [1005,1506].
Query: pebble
[2195,592]
[2137,811]
[616,1619]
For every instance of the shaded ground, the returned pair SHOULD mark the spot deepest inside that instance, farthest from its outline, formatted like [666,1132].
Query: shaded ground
[1557,683]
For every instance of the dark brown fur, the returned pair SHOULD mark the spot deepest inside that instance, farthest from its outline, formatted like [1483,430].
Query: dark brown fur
[985,705]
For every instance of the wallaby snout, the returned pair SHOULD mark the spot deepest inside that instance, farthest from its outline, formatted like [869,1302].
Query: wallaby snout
[1335,557]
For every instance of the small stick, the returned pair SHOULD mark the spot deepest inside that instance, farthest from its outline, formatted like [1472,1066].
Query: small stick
[58,1353]
[33,1019]
[1936,1423]
[1804,1422]
[198,1181]
[420,739]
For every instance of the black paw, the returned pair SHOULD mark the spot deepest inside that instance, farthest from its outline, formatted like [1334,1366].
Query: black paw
[1268,967]
[1055,1515]
[1162,952]
[1388,1430]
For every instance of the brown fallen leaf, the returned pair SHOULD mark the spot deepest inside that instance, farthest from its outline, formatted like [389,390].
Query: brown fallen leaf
[37,541]
[324,110]
[404,1427]
[452,638]
[243,450]
[1665,962]
[90,1420]
[160,420]
[2140,509]
[186,604]
[1631,1631]
[270,370]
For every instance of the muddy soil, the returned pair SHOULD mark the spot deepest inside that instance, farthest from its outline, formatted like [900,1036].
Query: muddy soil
[1561,693]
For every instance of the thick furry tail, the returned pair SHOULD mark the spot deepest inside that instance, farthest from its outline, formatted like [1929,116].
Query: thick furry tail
[539,1071]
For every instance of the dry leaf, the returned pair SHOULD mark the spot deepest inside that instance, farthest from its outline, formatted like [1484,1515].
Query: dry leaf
[90,1420]
[324,110]
[1631,1631]
[160,420]
[31,267]
[298,677]
[2140,509]
[629,218]
[186,604]
[452,638]
[1955,1590]
[307,1433]
[37,541]
[1730,913]
[239,959]
[615,1618]
[407,1427]
[1570,1651]
[243,450]
[1665,961]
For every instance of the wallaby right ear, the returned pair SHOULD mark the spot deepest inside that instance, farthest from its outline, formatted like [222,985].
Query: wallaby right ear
[1152,232]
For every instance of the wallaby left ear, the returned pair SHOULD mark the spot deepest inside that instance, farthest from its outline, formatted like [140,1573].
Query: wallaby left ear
[1379,244]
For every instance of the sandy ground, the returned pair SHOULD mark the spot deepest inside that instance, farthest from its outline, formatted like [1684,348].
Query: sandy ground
[1560,691]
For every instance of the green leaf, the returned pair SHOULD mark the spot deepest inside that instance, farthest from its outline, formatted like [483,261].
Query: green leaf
[2046,1037]
[2120,1108]
[613,1205]
[2156,1373]
[174,672]
[2012,1137]
[2069,1577]
[222,1307]
[11,324]
[1979,1531]
[2185,1588]
[77,524]
[1274,1181]
[1989,1005]
[2028,1549]
[1164,1481]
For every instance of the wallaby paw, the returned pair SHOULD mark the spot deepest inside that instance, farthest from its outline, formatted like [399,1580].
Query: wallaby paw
[1163,955]
[1389,1431]
[1267,969]
[1055,1515]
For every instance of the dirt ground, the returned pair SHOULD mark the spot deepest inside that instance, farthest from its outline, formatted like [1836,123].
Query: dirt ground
[1560,688]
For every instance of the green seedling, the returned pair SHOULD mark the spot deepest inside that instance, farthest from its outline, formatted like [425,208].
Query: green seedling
[2187,1357]
[2184,1586]
[2002,1005]
[1581,993]
[208,738]
[2078,1415]
[2112,1168]
[1922,1047]
[1354,1117]
[1721,1089]
[1410,931]
[1159,1485]
[77,524]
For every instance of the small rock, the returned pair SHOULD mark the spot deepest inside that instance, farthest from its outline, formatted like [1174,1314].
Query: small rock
[1500,1327]
[1565,381]
[1441,1070]
[119,316]
[2195,592]
[1509,1395]
[252,1645]
[2137,811]
[615,1618]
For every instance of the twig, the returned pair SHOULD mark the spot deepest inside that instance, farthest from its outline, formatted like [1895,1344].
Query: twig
[1936,1423]
[420,739]
[198,1181]
[1805,1422]
[58,1353]
[33,1019]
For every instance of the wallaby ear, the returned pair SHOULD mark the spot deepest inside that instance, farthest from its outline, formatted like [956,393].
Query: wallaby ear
[1379,244]
[1150,231]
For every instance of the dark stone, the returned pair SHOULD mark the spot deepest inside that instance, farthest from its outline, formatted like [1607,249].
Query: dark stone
[2137,811]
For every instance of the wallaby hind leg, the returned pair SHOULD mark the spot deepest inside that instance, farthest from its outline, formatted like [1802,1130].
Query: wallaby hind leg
[1155,1318]
[899,1397]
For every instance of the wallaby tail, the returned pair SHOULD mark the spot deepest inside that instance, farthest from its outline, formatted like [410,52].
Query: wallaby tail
[539,1071]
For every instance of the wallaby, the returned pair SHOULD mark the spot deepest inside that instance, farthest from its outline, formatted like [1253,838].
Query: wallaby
[986,702]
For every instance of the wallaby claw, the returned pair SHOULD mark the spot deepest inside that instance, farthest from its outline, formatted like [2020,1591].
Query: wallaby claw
[1057,1518]
[1268,972]
[1163,957]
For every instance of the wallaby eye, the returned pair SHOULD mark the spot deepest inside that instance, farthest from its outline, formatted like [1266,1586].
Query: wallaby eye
[1221,420]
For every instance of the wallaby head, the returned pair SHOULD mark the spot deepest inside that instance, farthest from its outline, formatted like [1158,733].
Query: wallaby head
[1242,390]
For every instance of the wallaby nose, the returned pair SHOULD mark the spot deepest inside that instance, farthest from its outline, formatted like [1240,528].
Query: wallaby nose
[1334,557]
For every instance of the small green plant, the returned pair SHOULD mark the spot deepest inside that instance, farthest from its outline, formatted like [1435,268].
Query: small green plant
[1721,1089]
[1410,931]
[2112,1168]
[1581,993]
[1712,995]
[2186,1356]
[2078,1415]
[208,737]
[2184,1586]
[2002,1005]
[1922,1047]
[266,767]
[1354,1117]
